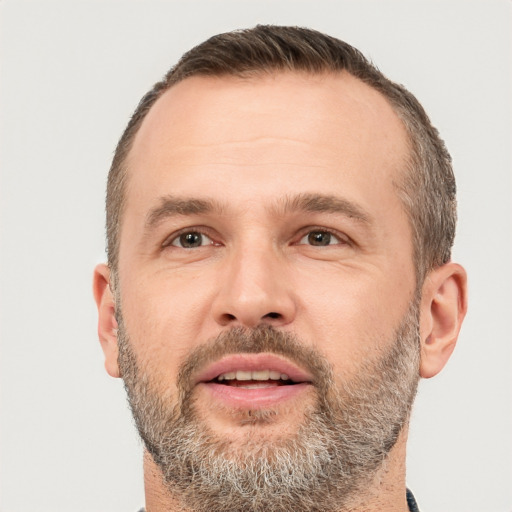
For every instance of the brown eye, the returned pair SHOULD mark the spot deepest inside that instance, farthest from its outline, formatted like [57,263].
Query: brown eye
[323,238]
[319,238]
[191,240]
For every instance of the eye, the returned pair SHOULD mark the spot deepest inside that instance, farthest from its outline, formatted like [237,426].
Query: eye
[191,240]
[320,238]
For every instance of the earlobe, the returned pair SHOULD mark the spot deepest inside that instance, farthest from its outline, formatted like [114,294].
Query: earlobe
[443,308]
[107,324]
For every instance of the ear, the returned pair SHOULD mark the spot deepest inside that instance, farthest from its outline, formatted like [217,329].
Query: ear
[443,308]
[107,324]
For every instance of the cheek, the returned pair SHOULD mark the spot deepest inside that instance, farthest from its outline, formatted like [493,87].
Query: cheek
[161,317]
[351,318]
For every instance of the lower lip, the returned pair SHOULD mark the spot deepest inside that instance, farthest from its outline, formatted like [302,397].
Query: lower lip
[257,398]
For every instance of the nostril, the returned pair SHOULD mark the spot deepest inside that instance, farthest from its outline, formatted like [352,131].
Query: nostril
[249,321]
[228,317]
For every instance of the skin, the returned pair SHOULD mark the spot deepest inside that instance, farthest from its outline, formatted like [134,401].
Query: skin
[246,146]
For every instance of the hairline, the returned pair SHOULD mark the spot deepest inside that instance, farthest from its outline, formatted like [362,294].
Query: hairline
[412,160]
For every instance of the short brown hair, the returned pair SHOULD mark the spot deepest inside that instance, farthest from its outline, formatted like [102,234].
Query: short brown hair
[426,188]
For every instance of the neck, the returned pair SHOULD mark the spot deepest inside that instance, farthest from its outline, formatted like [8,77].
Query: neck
[158,498]
[385,494]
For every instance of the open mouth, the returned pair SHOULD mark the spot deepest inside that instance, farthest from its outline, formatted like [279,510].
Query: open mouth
[254,379]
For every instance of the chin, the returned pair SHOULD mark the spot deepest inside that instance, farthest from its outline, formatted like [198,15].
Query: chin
[247,426]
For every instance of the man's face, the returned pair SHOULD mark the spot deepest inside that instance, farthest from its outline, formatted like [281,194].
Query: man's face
[257,206]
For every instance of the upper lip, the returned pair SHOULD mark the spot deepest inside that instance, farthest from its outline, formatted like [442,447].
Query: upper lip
[252,362]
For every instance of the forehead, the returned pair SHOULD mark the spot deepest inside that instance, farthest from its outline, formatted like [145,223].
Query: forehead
[279,133]
[337,106]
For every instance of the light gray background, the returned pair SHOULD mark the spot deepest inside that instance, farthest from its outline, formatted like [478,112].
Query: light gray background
[72,72]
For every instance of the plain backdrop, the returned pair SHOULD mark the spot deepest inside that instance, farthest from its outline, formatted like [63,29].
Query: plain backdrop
[71,74]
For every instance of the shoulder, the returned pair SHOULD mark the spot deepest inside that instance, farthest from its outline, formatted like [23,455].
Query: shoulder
[411,502]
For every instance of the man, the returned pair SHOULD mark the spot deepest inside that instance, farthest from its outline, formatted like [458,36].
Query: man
[279,219]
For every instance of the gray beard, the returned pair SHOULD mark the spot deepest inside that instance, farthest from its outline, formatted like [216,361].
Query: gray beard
[327,465]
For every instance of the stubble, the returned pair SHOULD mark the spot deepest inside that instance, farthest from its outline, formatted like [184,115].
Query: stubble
[324,465]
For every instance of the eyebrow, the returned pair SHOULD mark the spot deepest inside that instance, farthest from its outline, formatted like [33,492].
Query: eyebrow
[172,206]
[319,203]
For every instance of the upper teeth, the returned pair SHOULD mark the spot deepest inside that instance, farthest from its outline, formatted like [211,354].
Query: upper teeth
[256,375]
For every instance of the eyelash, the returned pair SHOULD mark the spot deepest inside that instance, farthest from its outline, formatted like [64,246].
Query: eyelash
[170,241]
[342,238]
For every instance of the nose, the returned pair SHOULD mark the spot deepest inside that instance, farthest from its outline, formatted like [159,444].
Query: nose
[254,290]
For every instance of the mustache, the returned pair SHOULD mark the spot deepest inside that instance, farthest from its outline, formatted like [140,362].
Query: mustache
[261,339]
